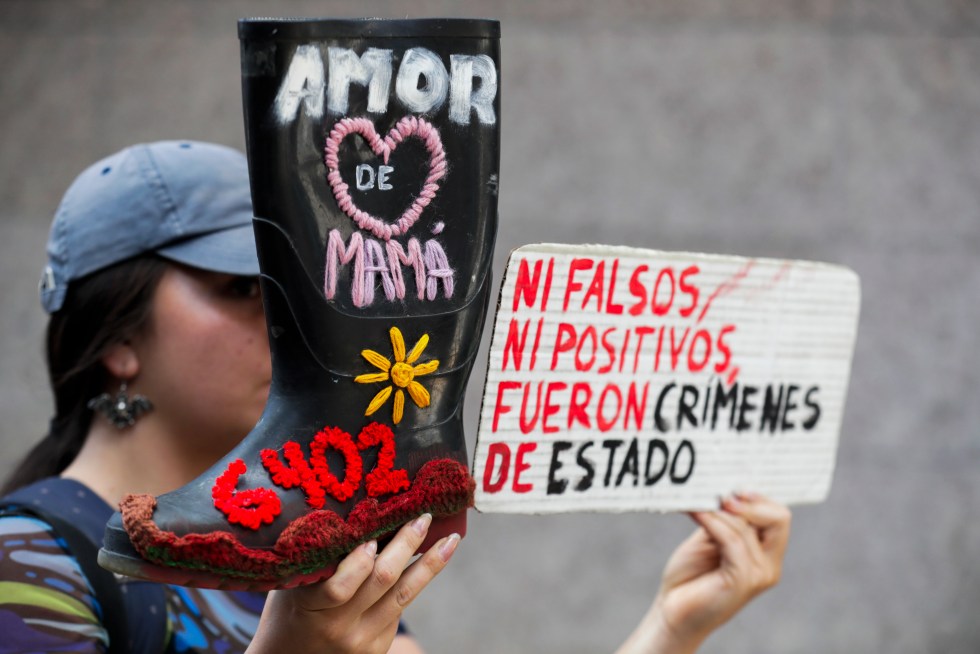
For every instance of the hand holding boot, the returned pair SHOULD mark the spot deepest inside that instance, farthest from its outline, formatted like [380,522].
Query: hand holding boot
[358,608]
[736,554]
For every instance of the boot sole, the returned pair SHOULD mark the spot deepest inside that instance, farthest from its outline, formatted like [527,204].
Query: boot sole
[132,565]
[141,569]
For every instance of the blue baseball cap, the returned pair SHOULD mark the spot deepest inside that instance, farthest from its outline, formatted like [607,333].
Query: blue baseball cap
[187,201]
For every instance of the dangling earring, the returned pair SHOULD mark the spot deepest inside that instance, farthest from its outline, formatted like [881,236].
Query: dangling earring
[120,410]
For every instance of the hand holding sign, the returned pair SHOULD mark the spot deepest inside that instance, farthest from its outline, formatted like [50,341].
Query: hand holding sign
[736,554]
[625,379]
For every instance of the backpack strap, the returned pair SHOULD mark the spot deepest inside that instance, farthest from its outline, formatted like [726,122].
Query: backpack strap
[79,516]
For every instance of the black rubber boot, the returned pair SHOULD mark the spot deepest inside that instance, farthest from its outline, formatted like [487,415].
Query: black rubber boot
[373,151]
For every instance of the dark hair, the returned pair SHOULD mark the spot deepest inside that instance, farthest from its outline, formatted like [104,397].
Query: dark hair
[100,310]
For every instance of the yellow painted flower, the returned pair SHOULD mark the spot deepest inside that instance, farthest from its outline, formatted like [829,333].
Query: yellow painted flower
[401,373]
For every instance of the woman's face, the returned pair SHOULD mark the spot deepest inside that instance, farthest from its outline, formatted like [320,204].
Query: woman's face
[204,359]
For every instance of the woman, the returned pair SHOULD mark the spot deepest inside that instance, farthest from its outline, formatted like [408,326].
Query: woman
[157,336]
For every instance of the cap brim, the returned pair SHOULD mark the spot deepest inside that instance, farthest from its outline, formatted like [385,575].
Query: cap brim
[230,251]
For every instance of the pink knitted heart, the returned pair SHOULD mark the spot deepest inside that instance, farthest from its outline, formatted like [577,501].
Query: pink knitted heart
[406,127]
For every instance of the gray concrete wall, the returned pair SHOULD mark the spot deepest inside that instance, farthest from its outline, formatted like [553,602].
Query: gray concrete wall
[838,130]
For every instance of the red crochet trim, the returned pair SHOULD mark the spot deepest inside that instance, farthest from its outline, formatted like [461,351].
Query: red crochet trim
[311,542]
[249,508]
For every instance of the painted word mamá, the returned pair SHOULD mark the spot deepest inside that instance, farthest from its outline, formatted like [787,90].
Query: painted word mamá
[369,259]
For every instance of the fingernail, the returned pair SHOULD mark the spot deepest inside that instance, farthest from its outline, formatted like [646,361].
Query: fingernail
[421,524]
[448,547]
[371,548]
[733,502]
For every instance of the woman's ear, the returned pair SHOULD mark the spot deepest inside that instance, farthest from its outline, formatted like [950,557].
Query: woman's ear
[121,361]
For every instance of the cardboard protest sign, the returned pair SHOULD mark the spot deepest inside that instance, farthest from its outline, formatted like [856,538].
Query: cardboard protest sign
[624,379]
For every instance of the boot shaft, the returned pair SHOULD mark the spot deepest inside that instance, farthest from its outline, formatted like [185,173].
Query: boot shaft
[374,155]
